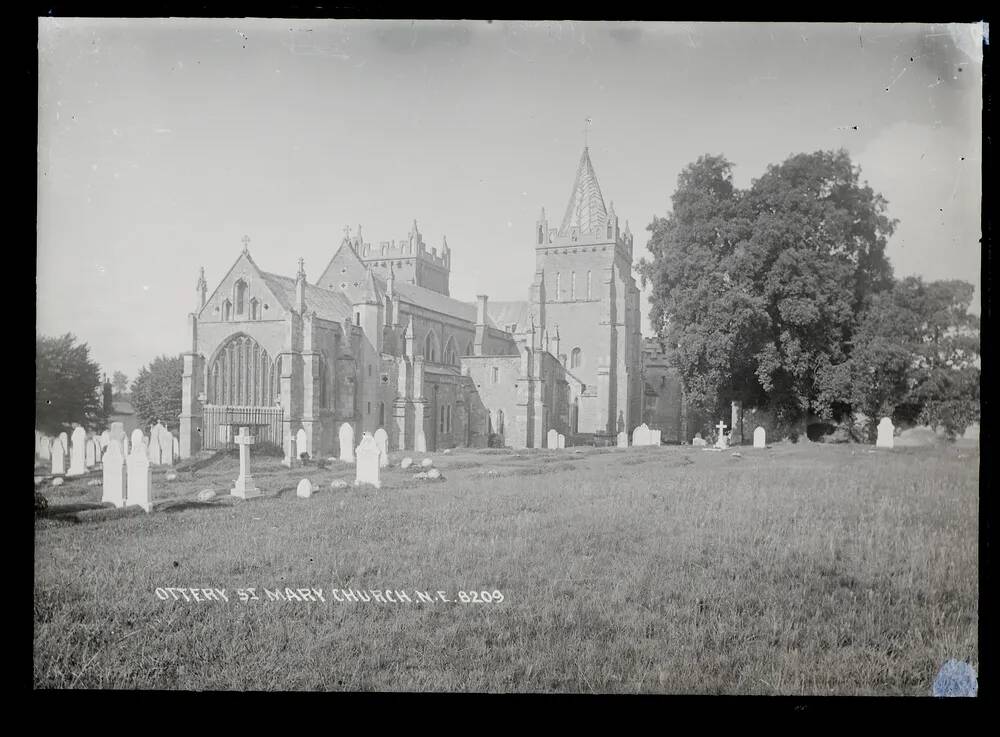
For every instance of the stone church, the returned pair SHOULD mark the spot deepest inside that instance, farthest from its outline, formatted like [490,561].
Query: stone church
[376,341]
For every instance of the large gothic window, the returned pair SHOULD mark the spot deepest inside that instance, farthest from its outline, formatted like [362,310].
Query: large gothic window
[241,374]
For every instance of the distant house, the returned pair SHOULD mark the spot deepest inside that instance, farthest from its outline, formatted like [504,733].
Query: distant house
[122,411]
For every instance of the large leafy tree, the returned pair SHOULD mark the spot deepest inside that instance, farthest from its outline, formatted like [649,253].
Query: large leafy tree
[67,385]
[156,391]
[759,290]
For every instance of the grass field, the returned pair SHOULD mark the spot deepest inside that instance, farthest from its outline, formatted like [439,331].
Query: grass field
[801,569]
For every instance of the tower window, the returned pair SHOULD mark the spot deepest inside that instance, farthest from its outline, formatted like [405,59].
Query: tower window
[575,358]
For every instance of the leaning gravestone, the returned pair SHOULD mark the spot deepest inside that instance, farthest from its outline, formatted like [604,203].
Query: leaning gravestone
[623,439]
[367,458]
[113,464]
[641,435]
[382,440]
[562,441]
[301,442]
[552,439]
[759,438]
[885,434]
[140,478]
[58,459]
[305,489]
[347,443]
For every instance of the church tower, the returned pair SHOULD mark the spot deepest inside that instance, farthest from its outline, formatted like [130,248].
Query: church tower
[584,270]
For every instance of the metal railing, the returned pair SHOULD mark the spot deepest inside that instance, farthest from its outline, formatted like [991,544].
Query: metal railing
[221,423]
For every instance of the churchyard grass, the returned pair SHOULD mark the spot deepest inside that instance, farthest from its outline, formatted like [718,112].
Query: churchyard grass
[800,569]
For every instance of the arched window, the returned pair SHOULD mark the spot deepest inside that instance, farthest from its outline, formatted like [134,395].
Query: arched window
[469,350]
[381,414]
[430,346]
[254,309]
[240,297]
[241,374]
[609,230]
[227,310]
[496,375]
[575,358]
[451,353]
[500,422]
[572,285]
[322,380]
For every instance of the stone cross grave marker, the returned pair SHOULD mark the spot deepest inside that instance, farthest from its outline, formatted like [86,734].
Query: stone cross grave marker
[552,439]
[382,440]
[244,487]
[347,443]
[113,465]
[301,443]
[367,471]
[562,440]
[723,441]
[641,435]
[885,437]
[759,438]
[140,478]
[58,458]
[623,439]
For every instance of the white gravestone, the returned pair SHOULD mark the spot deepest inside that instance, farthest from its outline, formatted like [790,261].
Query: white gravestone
[759,438]
[552,439]
[641,435]
[347,443]
[78,453]
[138,438]
[723,441]
[140,479]
[885,434]
[301,443]
[113,464]
[153,450]
[125,446]
[45,451]
[117,434]
[699,441]
[382,440]
[562,441]
[58,458]
[244,487]
[289,460]
[305,489]
[90,453]
[654,437]
[64,440]
[367,471]
[175,445]
[623,439]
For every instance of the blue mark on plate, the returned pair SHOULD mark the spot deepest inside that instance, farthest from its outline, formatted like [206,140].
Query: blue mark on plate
[956,678]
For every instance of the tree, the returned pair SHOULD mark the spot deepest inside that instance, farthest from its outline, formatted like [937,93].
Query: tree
[119,383]
[759,291]
[156,392]
[67,385]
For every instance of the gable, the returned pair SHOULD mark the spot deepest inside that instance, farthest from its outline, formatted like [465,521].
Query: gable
[270,304]
[346,273]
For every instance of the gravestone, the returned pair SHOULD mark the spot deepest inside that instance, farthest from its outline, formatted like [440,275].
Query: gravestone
[206,495]
[140,479]
[175,444]
[125,446]
[90,453]
[289,460]
[562,441]
[427,462]
[45,451]
[623,439]
[113,465]
[117,435]
[699,441]
[382,440]
[654,437]
[244,487]
[367,471]
[347,443]
[64,440]
[885,434]
[153,450]
[723,440]
[58,458]
[406,463]
[78,453]
[138,438]
[305,489]
[552,439]
[641,435]
[301,443]
[759,438]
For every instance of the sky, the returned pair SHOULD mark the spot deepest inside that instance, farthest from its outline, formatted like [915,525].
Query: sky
[163,142]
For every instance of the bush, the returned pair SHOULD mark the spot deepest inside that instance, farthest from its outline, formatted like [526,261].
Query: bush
[41,504]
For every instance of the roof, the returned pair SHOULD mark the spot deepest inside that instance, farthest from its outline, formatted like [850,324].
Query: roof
[586,209]
[327,305]
[431,300]
[504,314]
[121,407]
